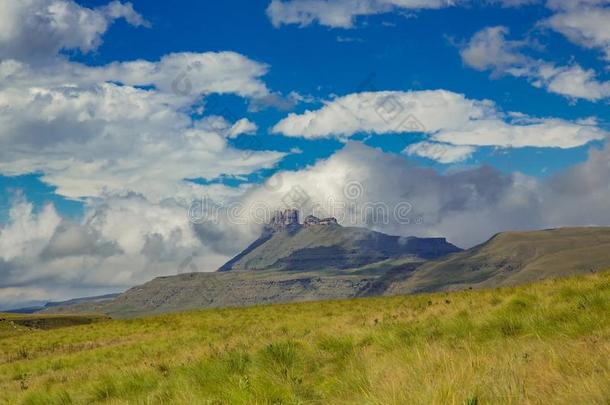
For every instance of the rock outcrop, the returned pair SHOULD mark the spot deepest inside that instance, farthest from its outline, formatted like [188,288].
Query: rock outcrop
[282,220]
[329,221]
[312,220]
[289,220]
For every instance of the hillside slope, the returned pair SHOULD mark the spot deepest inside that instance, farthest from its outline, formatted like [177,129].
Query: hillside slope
[512,258]
[230,289]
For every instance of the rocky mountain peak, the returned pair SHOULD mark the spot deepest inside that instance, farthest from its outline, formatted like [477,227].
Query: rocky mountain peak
[312,220]
[286,219]
[289,219]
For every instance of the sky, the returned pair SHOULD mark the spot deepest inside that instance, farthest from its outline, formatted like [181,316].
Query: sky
[149,138]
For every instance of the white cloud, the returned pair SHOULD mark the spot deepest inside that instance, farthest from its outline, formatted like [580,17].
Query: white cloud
[109,138]
[441,152]
[184,76]
[340,13]
[94,130]
[385,112]
[189,74]
[35,30]
[445,116]
[573,81]
[584,22]
[121,241]
[116,9]
[481,199]
[343,13]
[541,133]
[489,49]
[26,234]
[243,126]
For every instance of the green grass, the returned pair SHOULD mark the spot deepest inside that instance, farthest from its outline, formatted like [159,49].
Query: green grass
[542,343]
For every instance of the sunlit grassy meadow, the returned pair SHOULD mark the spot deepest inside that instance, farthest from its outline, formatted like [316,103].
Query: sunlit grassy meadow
[542,343]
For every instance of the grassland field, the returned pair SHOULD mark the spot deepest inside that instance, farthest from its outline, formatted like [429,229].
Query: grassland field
[542,343]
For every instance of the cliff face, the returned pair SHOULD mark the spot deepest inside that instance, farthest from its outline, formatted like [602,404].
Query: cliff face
[321,244]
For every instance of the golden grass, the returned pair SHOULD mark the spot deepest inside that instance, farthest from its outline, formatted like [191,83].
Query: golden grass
[537,344]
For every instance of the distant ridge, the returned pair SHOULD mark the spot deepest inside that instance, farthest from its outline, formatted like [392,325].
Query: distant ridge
[51,304]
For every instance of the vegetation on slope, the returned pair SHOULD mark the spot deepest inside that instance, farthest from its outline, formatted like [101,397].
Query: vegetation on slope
[543,343]
[512,258]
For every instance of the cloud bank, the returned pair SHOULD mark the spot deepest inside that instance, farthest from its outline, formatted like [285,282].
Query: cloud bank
[125,240]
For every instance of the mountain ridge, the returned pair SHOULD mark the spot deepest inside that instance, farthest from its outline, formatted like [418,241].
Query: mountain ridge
[515,257]
[286,244]
[507,258]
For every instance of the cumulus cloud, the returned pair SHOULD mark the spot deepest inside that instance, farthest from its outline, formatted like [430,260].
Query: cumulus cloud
[120,242]
[445,116]
[125,126]
[26,234]
[440,152]
[482,199]
[103,138]
[584,22]
[36,30]
[115,9]
[489,49]
[572,81]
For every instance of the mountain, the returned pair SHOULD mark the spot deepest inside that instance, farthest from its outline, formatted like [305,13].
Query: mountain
[319,244]
[513,258]
[506,259]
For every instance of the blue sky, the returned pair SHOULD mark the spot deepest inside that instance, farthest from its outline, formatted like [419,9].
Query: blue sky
[390,51]
[103,148]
